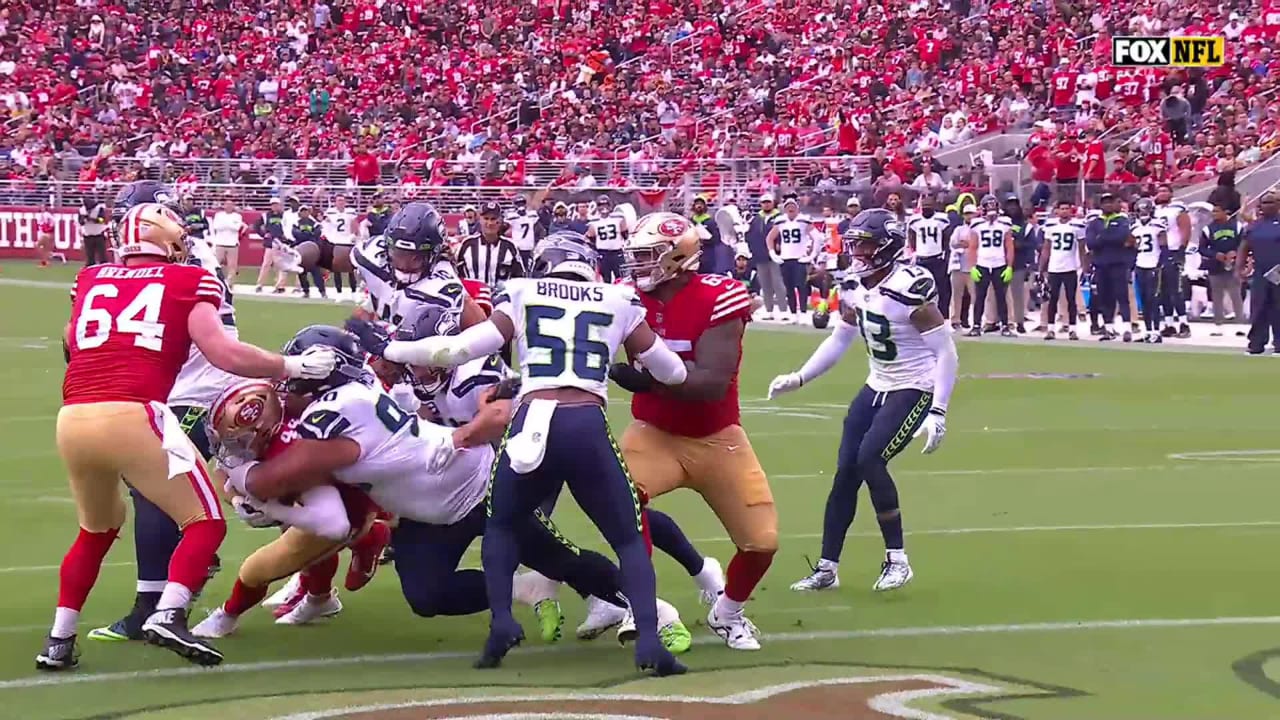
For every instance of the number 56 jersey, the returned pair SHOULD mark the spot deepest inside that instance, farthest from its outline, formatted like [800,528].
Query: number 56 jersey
[898,356]
[567,332]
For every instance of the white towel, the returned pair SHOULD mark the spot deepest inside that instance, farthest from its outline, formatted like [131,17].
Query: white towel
[182,454]
[526,449]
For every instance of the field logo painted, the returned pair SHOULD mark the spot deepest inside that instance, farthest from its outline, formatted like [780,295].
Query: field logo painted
[1134,51]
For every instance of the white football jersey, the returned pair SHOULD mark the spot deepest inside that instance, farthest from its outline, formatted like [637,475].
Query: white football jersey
[1170,214]
[794,242]
[339,226]
[991,238]
[391,302]
[395,454]
[199,383]
[1148,236]
[567,332]
[1062,242]
[523,232]
[609,232]
[929,232]
[458,402]
[897,354]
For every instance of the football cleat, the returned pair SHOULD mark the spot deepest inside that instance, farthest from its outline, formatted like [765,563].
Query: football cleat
[1022,329]
[1184,331]
[286,593]
[365,555]
[128,627]
[219,624]
[601,617]
[894,573]
[1049,335]
[652,656]
[312,608]
[502,639]
[822,577]
[1168,331]
[1006,331]
[168,629]
[58,654]
[1073,336]
[736,630]
[710,581]
[550,620]
[627,632]
[974,331]
[675,637]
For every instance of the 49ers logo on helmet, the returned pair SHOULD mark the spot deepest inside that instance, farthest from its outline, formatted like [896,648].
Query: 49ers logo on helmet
[673,227]
[250,412]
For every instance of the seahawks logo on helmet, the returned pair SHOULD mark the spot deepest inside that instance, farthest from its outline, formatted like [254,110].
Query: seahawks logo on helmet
[350,359]
[876,239]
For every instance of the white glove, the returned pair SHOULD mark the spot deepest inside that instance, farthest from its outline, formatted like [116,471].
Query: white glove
[251,515]
[934,428]
[238,478]
[784,384]
[775,257]
[314,363]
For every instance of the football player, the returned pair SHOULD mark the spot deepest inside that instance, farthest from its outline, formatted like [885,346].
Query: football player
[608,233]
[913,370]
[409,264]
[155,534]
[926,235]
[992,260]
[435,479]
[689,434]
[1172,298]
[339,225]
[1152,236]
[248,423]
[131,330]
[525,229]
[566,328]
[1061,258]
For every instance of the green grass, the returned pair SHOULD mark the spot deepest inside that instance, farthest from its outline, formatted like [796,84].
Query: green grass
[1051,502]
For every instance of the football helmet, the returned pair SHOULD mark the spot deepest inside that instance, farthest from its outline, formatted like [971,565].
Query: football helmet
[244,419]
[990,205]
[877,241]
[565,252]
[662,246]
[415,238]
[153,227]
[430,321]
[1144,208]
[349,367]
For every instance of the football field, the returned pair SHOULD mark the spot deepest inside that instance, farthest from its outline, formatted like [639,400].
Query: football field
[1096,538]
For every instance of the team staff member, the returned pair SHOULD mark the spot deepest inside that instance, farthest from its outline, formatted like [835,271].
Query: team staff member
[1026,243]
[193,218]
[768,272]
[93,230]
[1262,240]
[271,229]
[1219,250]
[224,236]
[307,229]
[712,261]
[377,216]
[1109,238]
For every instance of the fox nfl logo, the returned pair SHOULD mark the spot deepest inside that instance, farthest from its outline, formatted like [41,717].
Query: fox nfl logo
[1168,51]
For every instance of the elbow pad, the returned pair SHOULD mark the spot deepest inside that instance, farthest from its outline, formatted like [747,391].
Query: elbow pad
[665,366]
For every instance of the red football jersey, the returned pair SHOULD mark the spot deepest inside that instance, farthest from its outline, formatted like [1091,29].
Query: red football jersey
[129,333]
[707,301]
[480,293]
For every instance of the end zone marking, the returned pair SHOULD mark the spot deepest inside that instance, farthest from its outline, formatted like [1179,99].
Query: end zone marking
[924,631]
[1230,456]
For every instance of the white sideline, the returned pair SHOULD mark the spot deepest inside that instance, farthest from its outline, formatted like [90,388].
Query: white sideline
[924,631]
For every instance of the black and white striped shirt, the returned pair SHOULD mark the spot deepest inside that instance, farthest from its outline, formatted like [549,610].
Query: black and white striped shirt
[490,263]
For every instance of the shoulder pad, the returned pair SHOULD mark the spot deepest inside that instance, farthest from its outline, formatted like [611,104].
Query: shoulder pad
[910,286]
[731,298]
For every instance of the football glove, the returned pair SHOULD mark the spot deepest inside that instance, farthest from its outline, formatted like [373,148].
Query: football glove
[631,379]
[373,338]
[507,389]
[934,428]
[784,384]
[238,478]
[976,274]
[1007,274]
[251,515]
[314,363]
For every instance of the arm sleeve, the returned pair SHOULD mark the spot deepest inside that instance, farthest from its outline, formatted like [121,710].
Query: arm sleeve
[476,341]
[943,346]
[665,366]
[829,352]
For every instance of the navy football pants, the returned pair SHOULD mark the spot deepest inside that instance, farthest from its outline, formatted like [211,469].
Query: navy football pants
[878,427]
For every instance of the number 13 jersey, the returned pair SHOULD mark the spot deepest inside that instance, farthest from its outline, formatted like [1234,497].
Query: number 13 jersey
[898,357]
[567,332]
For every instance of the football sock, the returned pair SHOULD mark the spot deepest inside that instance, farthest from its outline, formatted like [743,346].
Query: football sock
[726,606]
[842,505]
[500,556]
[80,566]
[175,596]
[337,282]
[190,563]
[639,585]
[744,572]
[898,556]
[243,598]
[318,578]
[670,539]
[64,622]
[891,530]
[155,535]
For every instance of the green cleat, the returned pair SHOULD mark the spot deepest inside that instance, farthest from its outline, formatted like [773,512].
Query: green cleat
[112,633]
[675,638]
[550,620]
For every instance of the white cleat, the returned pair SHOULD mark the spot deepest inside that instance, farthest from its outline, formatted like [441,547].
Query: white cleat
[710,581]
[602,617]
[823,577]
[895,572]
[311,609]
[736,630]
[531,588]
[668,617]
[284,594]
[220,623]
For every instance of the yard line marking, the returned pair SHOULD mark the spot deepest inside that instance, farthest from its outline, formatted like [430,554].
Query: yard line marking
[1007,471]
[1037,528]
[923,631]
[45,568]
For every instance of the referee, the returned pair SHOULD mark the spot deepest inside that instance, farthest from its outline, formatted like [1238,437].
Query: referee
[490,256]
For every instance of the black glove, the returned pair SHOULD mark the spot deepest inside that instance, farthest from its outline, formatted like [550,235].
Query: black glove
[507,389]
[630,379]
[373,339]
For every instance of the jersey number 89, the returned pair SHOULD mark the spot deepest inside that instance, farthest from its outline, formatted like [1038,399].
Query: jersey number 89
[590,357]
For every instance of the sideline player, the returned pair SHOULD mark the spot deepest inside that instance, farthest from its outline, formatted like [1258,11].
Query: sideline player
[688,434]
[1173,299]
[992,261]
[608,233]
[155,534]
[913,370]
[566,328]
[1061,259]
[339,224]
[1152,236]
[434,478]
[131,330]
